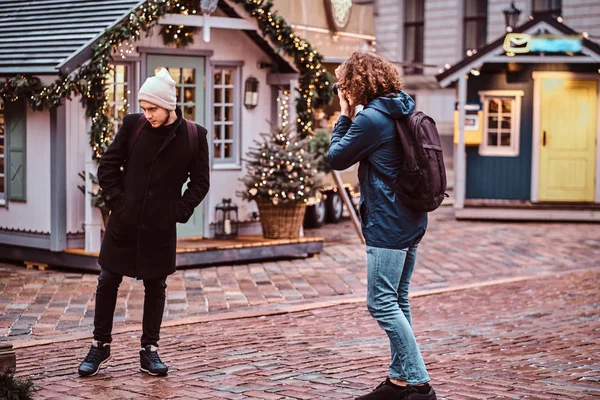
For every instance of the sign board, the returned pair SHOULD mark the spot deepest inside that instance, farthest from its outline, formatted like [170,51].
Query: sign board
[522,43]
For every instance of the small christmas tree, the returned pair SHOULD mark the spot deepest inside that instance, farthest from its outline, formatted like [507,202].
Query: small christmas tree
[280,169]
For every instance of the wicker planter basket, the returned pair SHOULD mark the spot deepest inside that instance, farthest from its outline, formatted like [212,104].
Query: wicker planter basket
[282,221]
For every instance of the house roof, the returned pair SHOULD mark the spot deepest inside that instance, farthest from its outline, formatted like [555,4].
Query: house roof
[36,36]
[45,36]
[457,69]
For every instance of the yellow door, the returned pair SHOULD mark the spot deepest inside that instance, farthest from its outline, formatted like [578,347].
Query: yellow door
[568,140]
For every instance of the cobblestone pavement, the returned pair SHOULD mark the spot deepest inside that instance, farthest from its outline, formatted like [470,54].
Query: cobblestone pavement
[532,339]
[36,305]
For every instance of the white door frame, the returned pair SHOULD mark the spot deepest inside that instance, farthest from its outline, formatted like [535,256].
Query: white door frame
[538,76]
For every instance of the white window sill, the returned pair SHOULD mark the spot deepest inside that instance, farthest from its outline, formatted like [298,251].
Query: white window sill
[226,167]
[498,153]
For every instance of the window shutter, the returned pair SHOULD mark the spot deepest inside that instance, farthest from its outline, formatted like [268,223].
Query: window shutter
[15,134]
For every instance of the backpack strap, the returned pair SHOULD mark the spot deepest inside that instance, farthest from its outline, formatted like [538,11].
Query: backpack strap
[136,132]
[192,131]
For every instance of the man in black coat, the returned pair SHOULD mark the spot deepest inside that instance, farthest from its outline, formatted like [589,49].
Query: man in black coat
[141,175]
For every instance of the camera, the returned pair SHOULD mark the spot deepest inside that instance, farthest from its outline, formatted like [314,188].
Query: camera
[335,88]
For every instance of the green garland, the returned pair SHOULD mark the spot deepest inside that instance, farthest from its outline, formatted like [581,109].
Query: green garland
[89,80]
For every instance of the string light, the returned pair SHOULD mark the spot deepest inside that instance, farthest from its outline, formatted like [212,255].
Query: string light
[88,81]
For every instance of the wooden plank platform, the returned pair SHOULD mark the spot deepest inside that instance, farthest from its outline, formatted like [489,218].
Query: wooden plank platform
[190,252]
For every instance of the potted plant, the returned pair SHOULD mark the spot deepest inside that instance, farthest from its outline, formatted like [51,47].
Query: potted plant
[281,178]
[97,200]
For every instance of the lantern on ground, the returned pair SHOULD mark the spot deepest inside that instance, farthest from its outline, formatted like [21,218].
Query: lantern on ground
[226,220]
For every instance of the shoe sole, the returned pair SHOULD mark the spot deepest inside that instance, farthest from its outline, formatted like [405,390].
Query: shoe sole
[97,369]
[153,373]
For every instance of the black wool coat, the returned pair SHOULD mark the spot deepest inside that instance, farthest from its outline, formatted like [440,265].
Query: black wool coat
[143,192]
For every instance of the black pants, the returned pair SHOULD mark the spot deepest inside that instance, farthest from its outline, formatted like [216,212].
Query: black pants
[106,300]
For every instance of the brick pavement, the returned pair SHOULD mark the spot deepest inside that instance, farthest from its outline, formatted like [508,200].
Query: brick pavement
[42,305]
[533,339]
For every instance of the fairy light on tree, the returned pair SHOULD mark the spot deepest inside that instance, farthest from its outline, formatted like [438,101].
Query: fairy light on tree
[280,169]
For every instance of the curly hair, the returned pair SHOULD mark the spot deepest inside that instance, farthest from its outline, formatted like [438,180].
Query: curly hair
[365,76]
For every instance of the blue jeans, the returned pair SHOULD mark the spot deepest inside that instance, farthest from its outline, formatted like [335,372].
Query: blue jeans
[388,278]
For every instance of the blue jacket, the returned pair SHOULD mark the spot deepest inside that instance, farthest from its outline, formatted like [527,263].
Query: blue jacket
[371,139]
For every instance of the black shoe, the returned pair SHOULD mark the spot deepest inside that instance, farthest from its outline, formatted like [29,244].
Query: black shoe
[386,391]
[98,355]
[424,392]
[150,361]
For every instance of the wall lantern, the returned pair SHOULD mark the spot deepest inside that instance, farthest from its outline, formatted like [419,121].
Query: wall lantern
[251,93]
[226,220]
[511,16]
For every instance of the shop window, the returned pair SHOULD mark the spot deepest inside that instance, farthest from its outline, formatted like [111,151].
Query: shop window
[118,94]
[226,104]
[501,123]
[542,8]
[414,24]
[474,24]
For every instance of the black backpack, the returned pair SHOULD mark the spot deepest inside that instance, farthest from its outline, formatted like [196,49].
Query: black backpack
[421,183]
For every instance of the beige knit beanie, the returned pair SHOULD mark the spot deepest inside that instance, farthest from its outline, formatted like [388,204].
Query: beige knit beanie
[159,90]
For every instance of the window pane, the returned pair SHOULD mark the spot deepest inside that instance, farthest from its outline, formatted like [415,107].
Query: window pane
[493,106]
[228,95]
[409,46]
[110,93]
[189,76]
[228,132]
[492,122]
[120,95]
[189,95]
[178,98]
[217,132]
[505,123]
[218,95]
[1,167]
[189,113]
[218,114]
[414,10]
[217,150]
[228,113]
[228,77]
[175,74]
[110,77]
[492,139]
[506,106]
[1,184]
[121,71]
[218,76]
[227,151]
[110,110]
[470,35]
[505,139]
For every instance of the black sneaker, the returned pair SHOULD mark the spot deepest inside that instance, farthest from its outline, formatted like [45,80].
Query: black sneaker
[386,391]
[150,361]
[98,355]
[424,392]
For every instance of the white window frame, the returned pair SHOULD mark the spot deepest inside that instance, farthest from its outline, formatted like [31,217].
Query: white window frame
[128,84]
[233,162]
[515,134]
[3,156]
